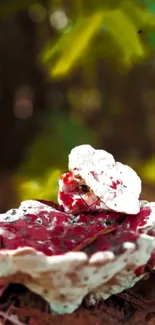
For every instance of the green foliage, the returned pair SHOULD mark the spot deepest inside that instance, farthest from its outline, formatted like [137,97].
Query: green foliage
[47,157]
[45,187]
[96,29]
[148,170]
[119,24]
[90,24]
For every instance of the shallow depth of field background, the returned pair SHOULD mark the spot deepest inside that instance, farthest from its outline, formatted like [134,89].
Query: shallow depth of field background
[74,72]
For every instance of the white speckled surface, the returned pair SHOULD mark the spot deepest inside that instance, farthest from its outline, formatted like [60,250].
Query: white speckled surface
[116,185]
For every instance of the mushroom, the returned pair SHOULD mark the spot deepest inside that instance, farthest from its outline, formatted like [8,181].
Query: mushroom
[110,185]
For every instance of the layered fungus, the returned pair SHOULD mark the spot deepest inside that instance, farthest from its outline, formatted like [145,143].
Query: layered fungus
[97,241]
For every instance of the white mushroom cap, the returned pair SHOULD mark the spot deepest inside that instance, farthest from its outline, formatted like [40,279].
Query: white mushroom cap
[85,155]
[117,185]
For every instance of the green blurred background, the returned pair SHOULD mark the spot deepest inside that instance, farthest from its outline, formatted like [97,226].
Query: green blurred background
[74,72]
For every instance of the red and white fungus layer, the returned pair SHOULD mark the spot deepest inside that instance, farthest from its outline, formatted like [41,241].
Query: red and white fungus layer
[39,246]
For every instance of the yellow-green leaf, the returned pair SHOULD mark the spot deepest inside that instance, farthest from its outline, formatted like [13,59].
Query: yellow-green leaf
[141,17]
[148,170]
[123,31]
[78,43]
